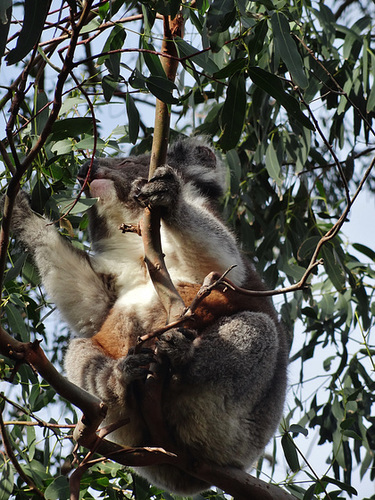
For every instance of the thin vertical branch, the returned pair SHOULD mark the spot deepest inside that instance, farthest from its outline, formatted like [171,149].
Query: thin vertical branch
[154,259]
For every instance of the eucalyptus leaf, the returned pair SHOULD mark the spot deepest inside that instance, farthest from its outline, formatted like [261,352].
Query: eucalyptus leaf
[288,49]
[133,117]
[162,88]
[35,13]
[290,452]
[272,85]
[233,112]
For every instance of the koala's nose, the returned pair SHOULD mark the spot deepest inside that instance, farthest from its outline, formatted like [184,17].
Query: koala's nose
[84,170]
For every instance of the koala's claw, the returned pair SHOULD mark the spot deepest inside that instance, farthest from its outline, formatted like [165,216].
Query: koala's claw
[160,191]
[176,345]
[135,366]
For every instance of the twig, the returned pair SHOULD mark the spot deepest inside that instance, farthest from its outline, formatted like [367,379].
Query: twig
[329,147]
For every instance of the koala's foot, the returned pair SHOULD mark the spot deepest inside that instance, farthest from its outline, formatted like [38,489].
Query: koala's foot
[177,346]
[161,191]
[135,366]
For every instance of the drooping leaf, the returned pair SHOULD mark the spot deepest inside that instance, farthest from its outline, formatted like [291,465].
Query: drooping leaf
[115,41]
[272,85]
[233,112]
[333,267]
[153,62]
[109,85]
[201,59]
[220,16]
[72,127]
[273,164]
[34,17]
[290,452]
[16,322]
[7,478]
[287,49]
[5,16]
[162,88]
[133,117]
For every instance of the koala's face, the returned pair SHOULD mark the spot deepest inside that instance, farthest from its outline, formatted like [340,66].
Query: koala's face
[115,182]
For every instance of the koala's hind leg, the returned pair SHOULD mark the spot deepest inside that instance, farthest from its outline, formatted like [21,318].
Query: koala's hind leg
[81,295]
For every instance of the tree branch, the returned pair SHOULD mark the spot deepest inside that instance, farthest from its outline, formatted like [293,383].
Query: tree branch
[154,259]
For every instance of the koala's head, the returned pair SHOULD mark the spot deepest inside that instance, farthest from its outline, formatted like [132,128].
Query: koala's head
[115,181]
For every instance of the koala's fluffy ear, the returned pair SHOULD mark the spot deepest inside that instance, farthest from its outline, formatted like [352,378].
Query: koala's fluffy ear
[206,156]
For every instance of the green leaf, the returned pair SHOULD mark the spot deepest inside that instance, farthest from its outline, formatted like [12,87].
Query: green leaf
[232,68]
[62,147]
[72,127]
[162,88]
[288,49]
[39,196]
[333,267]
[233,112]
[220,16]
[153,62]
[290,452]
[272,85]
[343,486]
[34,17]
[133,117]
[298,429]
[114,41]
[81,206]
[109,85]
[365,250]
[6,478]
[59,488]
[273,165]
[16,322]
[201,59]
[5,16]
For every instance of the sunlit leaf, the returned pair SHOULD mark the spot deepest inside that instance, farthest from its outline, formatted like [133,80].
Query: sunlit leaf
[273,165]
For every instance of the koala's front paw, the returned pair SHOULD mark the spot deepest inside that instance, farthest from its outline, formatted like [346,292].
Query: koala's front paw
[161,191]
[135,366]
[177,346]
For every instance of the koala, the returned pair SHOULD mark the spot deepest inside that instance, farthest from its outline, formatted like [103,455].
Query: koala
[224,392]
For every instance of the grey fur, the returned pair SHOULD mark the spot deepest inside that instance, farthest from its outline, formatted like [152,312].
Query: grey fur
[225,393]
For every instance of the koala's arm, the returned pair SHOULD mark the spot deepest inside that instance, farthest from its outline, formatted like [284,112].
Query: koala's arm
[90,368]
[80,294]
[193,232]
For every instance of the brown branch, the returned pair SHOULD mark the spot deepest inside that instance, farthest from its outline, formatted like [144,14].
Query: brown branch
[154,259]
[32,354]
